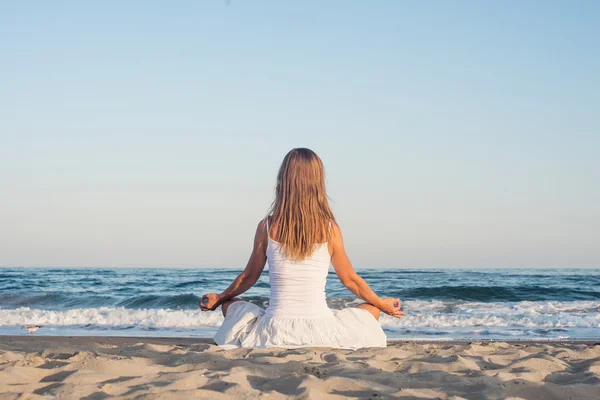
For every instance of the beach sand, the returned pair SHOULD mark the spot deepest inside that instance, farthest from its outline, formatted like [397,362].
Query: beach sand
[33,367]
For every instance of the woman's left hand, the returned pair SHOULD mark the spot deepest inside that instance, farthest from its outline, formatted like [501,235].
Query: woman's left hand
[209,302]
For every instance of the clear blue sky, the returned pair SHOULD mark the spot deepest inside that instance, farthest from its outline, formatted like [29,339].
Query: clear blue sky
[454,134]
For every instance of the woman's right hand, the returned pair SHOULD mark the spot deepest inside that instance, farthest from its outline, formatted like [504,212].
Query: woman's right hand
[209,301]
[391,307]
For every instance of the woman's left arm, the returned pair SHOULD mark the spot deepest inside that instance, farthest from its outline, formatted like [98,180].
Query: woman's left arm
[248,277]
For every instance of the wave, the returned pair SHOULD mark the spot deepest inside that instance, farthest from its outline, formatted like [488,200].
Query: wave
[499,293]
[450,296]
[53,301]
[158,302]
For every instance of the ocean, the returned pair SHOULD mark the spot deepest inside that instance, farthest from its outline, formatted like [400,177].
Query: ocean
[442,304]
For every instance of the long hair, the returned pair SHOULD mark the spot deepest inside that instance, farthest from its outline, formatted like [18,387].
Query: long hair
[301,210]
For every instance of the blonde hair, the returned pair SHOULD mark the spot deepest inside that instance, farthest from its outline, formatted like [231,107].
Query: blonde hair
[301,210]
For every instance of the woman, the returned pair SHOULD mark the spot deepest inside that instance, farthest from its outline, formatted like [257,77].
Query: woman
[299,239]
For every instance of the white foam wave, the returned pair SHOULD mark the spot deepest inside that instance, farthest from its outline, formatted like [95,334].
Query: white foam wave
[420,314]
[107,316]
[526,314]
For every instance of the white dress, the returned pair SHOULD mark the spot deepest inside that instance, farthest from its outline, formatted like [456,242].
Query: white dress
[298,315]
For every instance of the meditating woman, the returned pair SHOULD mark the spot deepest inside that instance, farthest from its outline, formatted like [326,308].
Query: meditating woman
[299,239]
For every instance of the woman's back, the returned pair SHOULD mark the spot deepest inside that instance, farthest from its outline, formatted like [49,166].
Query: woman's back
[300,246]
[297,287]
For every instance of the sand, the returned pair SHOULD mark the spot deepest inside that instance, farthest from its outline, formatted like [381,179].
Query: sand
[36,367]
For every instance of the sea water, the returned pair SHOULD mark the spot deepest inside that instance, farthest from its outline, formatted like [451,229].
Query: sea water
[443,304]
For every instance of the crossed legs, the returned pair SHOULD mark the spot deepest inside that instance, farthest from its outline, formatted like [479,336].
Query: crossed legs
[372,309]
[226,305]
[365,306]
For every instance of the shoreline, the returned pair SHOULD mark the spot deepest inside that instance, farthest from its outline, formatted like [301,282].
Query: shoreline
[208,340]
[100,367]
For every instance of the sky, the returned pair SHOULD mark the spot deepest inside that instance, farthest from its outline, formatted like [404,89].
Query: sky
[149,133]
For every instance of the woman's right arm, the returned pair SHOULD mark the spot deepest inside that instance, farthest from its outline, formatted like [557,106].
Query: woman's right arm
[249,275]
[356,284]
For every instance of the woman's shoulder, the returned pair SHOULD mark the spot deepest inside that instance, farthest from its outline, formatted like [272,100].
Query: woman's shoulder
[335,228]
[262,227]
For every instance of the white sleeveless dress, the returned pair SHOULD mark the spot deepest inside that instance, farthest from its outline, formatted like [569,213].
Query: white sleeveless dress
[298,315]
